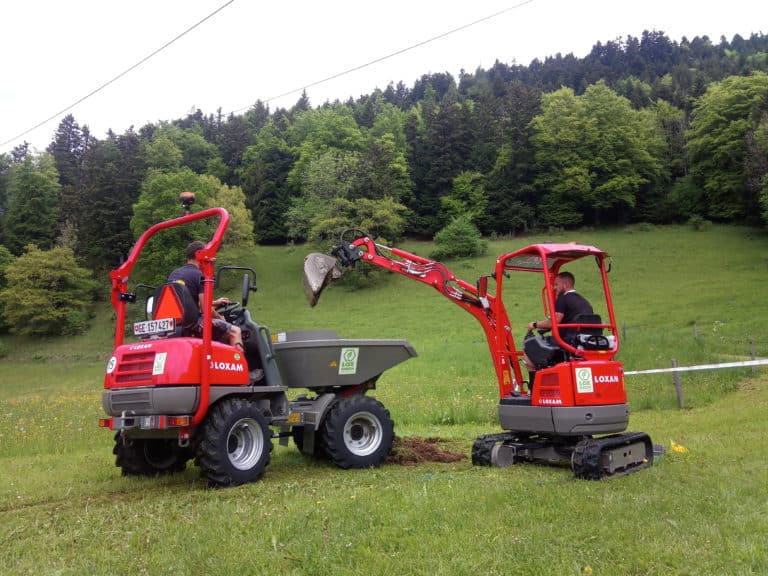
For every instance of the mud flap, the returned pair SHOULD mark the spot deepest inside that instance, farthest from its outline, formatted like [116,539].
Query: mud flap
[319,270]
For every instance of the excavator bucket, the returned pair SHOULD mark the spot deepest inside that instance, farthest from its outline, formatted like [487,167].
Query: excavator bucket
[319,270]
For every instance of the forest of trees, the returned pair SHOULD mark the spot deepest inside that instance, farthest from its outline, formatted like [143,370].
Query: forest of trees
[640,130]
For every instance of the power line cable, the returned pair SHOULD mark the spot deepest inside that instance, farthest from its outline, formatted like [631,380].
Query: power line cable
[289,92]
[139,63]
[392,55]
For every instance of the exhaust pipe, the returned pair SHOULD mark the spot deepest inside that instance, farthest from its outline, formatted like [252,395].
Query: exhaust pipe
[319,270]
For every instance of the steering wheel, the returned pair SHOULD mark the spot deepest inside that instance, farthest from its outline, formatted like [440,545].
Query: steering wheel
[595,342]
[225,309]
[540,331]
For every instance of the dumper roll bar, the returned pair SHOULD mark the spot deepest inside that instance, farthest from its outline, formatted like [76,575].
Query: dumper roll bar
[207,258]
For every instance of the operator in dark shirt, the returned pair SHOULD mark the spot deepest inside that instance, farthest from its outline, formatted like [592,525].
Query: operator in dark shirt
[568,306]
[190,276]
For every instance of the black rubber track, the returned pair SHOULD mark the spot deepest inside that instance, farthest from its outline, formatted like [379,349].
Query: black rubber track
[586,459]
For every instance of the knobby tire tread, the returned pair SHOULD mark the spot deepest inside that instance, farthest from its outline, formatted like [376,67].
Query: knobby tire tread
[332,432]
[211,454]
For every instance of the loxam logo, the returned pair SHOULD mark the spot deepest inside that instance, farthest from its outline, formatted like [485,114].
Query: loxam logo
[551,401]
[140,347]
[227,366]
[607,380]
[585,380]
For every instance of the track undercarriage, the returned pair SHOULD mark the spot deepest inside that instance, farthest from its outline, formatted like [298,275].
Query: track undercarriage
[590,458]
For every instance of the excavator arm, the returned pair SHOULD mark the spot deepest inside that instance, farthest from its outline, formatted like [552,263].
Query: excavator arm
[321,269]
[404,263]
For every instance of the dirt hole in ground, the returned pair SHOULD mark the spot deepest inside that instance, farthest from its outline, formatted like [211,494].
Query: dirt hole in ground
[414,450]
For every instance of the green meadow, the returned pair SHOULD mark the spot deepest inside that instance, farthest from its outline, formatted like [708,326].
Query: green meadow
[697,297]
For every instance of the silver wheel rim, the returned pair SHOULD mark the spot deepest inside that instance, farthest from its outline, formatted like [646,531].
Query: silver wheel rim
[362,434]
[245,443]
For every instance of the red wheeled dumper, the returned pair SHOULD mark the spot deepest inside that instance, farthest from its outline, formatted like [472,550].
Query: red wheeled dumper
[576,410]
[173,394]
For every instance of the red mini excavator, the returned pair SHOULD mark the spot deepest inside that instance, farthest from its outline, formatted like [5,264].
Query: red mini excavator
[575,411]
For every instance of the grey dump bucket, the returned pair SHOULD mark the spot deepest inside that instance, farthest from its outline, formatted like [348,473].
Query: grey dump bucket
[320,359]
[319,269]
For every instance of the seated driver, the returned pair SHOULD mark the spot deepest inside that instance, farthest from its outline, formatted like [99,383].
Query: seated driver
[190,276]
[568,306]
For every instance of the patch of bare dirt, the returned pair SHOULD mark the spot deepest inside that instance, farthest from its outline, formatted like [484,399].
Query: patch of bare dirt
[414,450]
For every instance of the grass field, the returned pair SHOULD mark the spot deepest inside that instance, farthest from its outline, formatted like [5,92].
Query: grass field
[65,509]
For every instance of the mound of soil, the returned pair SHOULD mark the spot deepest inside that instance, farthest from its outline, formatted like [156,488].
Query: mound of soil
[414,450]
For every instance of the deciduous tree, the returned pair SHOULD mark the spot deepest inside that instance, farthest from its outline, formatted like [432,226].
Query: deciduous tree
[163,153]
[717,143]
[159,201]
[316,131]
[329,202]
[594,155]
[467,198]
[47,293]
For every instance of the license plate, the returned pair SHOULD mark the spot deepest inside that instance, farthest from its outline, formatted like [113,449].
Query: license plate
[152,327]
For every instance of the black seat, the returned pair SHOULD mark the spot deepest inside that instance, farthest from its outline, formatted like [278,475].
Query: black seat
[589,319]
[252,339]
[541,351]
[173,300]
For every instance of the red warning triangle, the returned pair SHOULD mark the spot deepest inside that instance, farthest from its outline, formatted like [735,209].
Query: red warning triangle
[169,305]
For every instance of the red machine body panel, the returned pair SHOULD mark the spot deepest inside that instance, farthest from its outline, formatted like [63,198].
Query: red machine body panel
[580,383]
[174,361]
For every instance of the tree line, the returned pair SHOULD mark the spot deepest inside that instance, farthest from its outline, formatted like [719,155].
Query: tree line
[640,130]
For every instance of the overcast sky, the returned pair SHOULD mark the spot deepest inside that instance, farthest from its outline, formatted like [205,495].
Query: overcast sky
[56,52]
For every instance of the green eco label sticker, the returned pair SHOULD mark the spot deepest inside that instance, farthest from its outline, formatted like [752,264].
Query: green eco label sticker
[584,381]
[348,360]
[159,366]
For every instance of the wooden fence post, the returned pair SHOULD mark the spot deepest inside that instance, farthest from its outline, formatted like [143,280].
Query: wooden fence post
[678,387]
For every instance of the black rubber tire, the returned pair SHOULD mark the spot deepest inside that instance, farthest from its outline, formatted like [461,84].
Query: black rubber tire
[234,443]
[357,433]
[149,457]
